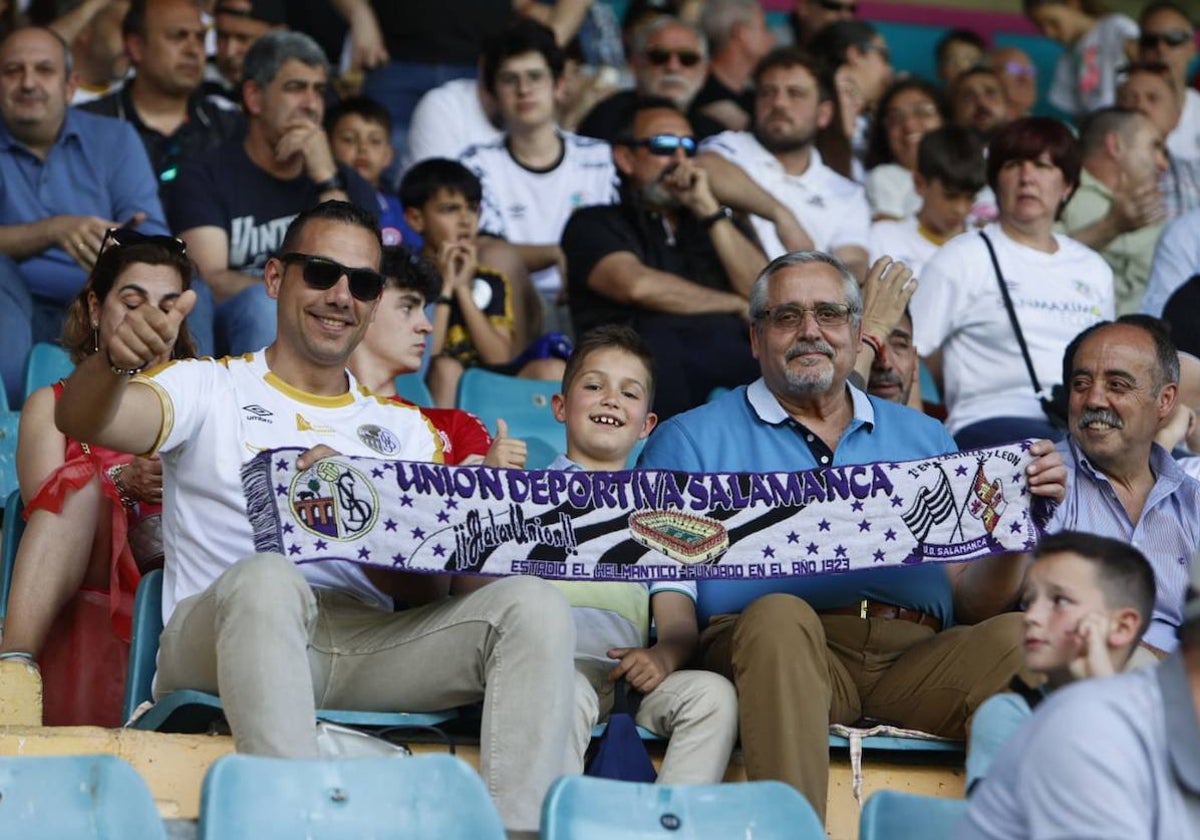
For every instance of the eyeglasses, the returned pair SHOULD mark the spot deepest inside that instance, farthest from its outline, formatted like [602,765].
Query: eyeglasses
[321,274]
[834,6]
[1016,68]
[788,317]
[123,236]
[1170,38]
[661,57]
[665,145]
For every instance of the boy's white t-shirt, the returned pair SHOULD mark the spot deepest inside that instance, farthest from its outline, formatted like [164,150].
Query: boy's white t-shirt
[217,414]
[902,241]
[530,207]
[958,309]
[1085,77]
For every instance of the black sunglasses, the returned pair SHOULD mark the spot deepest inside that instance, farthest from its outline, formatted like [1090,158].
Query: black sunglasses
[666,145]
[123,236]
[660,57]
[321,274]
[1172,38]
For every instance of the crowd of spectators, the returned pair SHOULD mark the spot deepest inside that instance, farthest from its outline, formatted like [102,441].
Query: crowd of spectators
[873,266]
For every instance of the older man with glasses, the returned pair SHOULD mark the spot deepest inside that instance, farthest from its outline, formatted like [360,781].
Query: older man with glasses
[1168,36]
[669,260]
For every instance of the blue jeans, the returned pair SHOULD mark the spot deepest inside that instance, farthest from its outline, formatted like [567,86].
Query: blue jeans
[398,86]
[1000,430]
[245,322]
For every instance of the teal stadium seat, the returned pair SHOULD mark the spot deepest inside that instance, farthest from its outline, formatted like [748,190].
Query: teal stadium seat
[432,797]
[14,526]
[195,711]
[891,815]
[10,421]
[86,797]
[412,387]
[523,403]
[586,808]
[47,363]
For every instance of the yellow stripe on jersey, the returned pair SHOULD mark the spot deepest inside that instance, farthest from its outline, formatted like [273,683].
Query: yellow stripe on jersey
[304,397]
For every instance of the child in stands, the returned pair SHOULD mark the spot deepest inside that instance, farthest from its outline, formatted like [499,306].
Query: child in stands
[607,391]
[1087,599]
[1096,46]
[360,131]
[950,172]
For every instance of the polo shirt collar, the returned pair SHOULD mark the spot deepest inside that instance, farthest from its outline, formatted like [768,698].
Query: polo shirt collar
[1179,715]
[768,409]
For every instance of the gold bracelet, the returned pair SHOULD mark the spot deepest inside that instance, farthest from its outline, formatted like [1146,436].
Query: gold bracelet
[114,475]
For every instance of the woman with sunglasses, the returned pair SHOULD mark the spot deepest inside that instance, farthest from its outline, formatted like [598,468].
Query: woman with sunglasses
[89,509]
[908,111]
[1050,285]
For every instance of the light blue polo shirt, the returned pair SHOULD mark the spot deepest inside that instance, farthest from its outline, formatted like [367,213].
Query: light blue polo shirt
[747,430]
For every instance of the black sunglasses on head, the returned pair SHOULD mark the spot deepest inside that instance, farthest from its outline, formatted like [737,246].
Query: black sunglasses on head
[665,145]
[321,273]
[123,236]
[660,57]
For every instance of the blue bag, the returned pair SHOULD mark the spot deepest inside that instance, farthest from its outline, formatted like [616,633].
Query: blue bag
[621,755]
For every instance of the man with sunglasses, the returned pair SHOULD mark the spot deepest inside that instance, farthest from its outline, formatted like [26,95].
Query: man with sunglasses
[805,652]
[278,635]
[1168,36]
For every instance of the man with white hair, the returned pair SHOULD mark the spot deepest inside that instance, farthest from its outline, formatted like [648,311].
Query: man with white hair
[738,38]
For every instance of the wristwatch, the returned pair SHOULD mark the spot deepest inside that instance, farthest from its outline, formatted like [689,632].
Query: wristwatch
[723,212]
[337,182]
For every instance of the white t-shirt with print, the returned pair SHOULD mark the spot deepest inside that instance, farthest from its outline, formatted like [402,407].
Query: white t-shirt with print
[217,414]
[958,309]
[833,210]
[531,207]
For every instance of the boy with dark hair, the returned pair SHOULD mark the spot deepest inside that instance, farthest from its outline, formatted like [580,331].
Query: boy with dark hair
[1087,600]
[607,391]
[949,174]
[473,321]
[394,345]
[360,131]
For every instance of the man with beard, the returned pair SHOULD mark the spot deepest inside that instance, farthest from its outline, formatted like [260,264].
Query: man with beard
[1123,379]
[792,102]
[668,260]
[978,103]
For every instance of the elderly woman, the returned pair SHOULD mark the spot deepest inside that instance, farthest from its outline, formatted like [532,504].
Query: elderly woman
[86,505]
[1056,286]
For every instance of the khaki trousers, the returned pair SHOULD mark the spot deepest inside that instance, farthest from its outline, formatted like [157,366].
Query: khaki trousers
[796,672]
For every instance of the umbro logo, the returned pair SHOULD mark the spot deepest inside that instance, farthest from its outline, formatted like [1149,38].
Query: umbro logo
[257,414]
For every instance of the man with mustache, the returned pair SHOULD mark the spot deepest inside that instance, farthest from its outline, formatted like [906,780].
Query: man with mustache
[1123,379]
[805,652]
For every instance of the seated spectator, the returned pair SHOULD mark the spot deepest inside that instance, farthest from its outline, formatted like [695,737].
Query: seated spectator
[856,57]
[90,509]
[958,51]
[66,177]
[779,155]
[536,175]
[238,24]
[1123,381]
[978,102]
[359,130]
[1086,603]
[1168,36]
[162,100]
[894,367]
[233,204]
[949,174]
[1118,210]
[1106,758]
[611,375]
[669,58]
[1057,287]
[738,38]
[1018,75]
[1095,45]
[394,345]
[907,112]
[1176,261]
[669,261]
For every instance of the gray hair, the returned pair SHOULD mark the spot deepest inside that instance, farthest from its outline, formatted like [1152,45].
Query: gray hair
[652,27]
[720,16]
[274,49]
[759,289]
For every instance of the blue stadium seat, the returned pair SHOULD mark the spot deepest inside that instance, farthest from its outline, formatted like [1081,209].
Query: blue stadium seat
[86,797]
[14,526]
[47,363]
[194,711]
[432,797]
[896,743]
[412,387]
[891,815]
[9,422]
[587,808]
[523,403]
